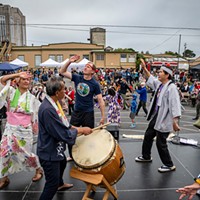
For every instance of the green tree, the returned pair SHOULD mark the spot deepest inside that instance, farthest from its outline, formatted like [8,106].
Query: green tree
[137,62]
[172,53]
[189,53]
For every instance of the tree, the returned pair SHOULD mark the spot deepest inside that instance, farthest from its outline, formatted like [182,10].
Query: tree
[137,62]
[172,53]
[189,53]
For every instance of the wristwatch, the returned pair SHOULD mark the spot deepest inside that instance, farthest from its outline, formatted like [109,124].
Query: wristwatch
[197,180]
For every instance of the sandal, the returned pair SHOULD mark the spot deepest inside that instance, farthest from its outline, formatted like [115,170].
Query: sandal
[65,186]
[38,175]
[4,182]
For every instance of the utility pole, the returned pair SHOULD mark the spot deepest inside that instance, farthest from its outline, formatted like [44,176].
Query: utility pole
[179,47]
[185,47]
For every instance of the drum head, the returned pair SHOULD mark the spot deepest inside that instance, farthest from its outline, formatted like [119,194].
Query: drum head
[93,150]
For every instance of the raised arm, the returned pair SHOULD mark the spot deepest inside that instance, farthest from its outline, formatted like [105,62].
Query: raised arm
[146,71]
[7,77]
[63,69]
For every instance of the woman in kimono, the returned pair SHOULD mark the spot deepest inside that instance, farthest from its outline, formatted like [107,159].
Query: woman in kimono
[115,104]
[16,144]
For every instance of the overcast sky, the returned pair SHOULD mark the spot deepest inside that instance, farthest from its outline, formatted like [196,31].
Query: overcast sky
[120,19]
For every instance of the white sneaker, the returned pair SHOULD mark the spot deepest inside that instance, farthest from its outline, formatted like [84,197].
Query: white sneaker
[141,159]
[132,125]
[165,168]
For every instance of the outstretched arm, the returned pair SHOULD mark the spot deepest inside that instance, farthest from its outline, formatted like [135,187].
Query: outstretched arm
[63,69]
[146,71]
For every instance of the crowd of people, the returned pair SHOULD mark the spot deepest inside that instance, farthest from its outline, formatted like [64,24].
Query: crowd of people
[39,102]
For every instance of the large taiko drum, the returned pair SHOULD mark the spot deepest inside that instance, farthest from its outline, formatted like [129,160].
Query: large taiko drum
[99,153]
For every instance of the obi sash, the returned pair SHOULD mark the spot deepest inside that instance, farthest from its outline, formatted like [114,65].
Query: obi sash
[17,119]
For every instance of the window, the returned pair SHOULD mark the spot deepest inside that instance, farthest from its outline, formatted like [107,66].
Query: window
[18,31]
[21,57]
[100,57]
[2,28]
[24,35]
[12,30]
[59,58]
[38,60]
[53,57]
[131,58]
[123,57]
[86,56]
[71,55]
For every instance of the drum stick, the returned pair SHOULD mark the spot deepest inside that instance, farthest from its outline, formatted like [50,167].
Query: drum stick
[101,126]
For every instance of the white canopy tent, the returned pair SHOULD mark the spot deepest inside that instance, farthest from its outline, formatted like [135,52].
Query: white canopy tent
[19,63]
[78,66]
[63,62]
[50,63]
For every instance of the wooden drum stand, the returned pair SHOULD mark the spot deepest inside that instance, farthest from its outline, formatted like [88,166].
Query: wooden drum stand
[92,180]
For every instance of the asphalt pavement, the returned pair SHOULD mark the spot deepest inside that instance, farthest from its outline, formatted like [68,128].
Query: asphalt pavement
[140,180]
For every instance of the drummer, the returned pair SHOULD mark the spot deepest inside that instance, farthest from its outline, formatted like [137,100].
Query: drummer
[86,88]
[54,132]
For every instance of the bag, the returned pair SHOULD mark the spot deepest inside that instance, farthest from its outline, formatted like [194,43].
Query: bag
[197,123]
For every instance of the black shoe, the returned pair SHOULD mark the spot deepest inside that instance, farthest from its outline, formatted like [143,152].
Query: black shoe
[195,118]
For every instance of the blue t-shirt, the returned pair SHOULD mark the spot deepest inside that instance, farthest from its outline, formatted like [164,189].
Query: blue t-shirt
[85,91]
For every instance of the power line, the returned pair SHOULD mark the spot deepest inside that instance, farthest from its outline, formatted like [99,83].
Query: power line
[119,32]
[121,26]
[113,26]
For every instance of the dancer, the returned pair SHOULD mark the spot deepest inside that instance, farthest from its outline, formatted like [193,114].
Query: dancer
[16,144]
[164,112]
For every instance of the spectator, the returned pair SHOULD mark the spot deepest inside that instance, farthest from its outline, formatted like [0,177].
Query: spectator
[142,91]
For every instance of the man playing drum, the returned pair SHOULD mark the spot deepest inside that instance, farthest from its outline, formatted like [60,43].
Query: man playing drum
[86,88]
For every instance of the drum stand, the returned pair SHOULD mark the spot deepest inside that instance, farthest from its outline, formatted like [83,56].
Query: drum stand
[92,180]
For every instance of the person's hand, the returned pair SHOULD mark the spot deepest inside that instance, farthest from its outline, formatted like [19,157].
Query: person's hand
[101,121]
[143,64]
[84,130]
[74,58]
[24,75]
[176,126]
[189,191]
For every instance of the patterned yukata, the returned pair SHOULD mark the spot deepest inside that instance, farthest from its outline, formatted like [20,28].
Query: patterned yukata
[17,140]
[114,108]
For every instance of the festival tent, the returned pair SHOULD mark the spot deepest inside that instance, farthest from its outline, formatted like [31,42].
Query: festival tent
[50,63]
[9,67]
[83,62]
[78,66]
[19,63]
[63,62]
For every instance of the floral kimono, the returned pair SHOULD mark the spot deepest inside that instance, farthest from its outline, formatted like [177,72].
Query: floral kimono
[115,104]
[17,140]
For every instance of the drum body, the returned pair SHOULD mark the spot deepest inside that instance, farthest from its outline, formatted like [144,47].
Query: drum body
[99,153]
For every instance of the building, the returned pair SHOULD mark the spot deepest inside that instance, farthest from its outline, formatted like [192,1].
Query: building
[12,30]
[102,58]
[98,36]
[12,25]
[157,60]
